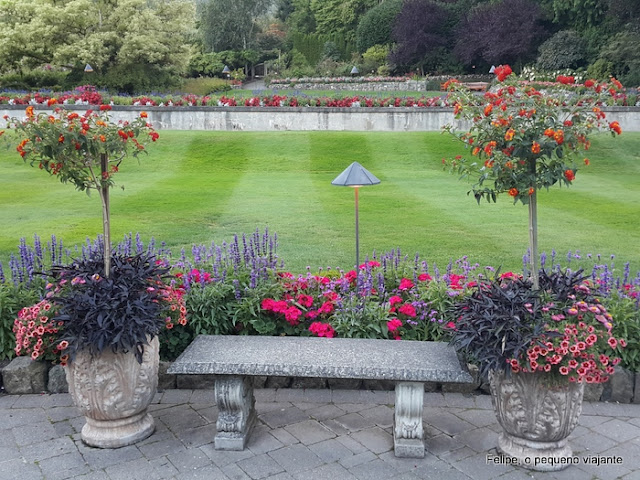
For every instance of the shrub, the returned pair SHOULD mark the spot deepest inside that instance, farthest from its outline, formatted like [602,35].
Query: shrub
[564,49]
[375,25]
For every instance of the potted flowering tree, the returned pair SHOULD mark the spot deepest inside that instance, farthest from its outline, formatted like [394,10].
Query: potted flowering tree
[540,338]
[522,139]
[104,312]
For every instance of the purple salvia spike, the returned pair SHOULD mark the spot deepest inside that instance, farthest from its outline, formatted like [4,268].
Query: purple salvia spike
[139,244]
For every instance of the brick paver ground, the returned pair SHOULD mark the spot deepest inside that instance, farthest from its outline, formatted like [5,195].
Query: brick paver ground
[301,435]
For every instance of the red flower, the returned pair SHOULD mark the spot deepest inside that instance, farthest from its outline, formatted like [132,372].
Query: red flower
[535,148]
[424,277]
[569,175]
[502,72]
[105,108]
[513,192]
[154,136]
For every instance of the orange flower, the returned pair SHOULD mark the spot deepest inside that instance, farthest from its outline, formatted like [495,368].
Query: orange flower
[586,161]
[615,127]
[29,111]
[535,148]
[509,164]
[103,138]
[489,147]
[531,190]
[143,115]
[61,139]
[475,151]
[559,137]
[549,132]
[487,110]
[509,135]
[513,192]
[488,163]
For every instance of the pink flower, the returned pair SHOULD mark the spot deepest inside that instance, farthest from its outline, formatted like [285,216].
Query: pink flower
[405,284]
[322,329]
[408,310]
[395,300]
[394,324]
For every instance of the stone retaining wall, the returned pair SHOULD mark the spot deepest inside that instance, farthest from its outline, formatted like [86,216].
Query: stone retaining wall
[251,119]
[23,376]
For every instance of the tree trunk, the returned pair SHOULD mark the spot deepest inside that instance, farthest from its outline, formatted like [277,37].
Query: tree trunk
[533,239]
[106,225]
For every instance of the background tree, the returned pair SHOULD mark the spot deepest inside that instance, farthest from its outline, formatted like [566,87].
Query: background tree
[375,26]
[134,41]
[420,34]
[297,14]
[565,49]
[508,31]
[340,16]
[230,24]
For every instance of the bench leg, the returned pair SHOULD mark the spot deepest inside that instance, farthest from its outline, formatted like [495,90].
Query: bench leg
[408,436]
[236,412]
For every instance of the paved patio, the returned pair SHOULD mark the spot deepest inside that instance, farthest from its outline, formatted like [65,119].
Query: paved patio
[301,434]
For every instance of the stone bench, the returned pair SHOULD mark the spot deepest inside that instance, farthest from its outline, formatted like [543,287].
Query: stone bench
[233,359]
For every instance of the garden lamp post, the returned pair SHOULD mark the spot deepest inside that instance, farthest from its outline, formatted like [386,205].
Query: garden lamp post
[356,176]
[226,71]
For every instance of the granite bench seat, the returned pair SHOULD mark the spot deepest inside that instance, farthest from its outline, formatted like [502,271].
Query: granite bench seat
[233,359]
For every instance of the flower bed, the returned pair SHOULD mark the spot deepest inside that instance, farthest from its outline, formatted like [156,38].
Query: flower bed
[242,287]
[89,95]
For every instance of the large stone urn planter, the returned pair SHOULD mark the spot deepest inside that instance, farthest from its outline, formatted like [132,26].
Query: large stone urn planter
[537,415]
[113,392]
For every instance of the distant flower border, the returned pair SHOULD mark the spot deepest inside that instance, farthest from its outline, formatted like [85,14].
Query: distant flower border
[375,79]
[89,95]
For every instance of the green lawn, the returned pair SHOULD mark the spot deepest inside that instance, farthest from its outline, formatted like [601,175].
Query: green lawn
[204,186]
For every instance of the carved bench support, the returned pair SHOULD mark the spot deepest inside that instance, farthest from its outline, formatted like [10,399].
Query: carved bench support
[408,435]
[236,412]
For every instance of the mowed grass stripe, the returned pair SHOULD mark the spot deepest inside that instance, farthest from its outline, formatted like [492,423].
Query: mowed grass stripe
[204,186]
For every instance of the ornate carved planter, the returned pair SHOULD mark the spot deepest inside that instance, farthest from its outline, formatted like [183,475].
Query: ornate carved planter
[537,417]
[113,392]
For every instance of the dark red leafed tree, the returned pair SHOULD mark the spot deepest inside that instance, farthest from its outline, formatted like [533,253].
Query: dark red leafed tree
[500,33]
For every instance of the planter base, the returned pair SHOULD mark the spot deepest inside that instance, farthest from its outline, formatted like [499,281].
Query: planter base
[539,456]
[117,433]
